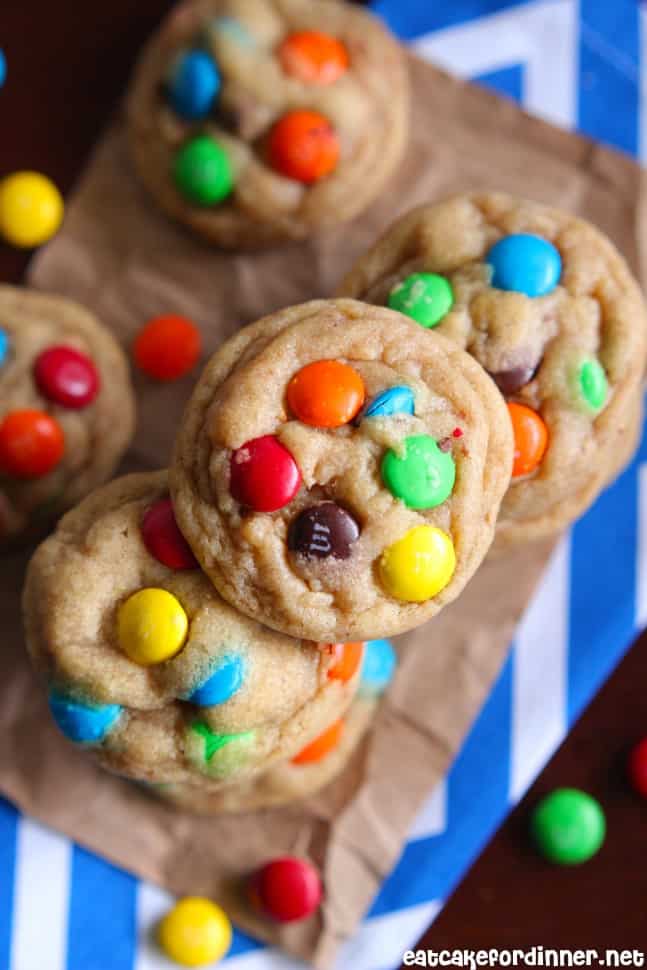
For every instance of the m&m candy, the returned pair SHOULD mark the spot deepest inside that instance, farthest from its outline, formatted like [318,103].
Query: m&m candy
[193,84]
[568,826]
[31,444]
[167,347]
[419,474]
[202,171]
[31,209]
[163,539]
[67,377]
[221,683]
[419,565]
[3,68]
[195,933]
[322,745]
[514,378]
[83,723]
[348,657]
[326,394]
[637,768]
[425,297]
[287,889]
[152,626]
[378,667]
[219,754]
[530,438]
[323,530]
[4,346]
[591,385]
[304,146]
[525,263]
[263,475]
[313,57]
[394,400]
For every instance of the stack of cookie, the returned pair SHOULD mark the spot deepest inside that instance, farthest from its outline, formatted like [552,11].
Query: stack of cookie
[337,478]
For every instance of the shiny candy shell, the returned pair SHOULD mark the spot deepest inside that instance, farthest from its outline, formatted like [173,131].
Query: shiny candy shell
[31,444]
[420,474]
[167,347]
[222,682]
[263,475]
[348,657]
[4,346]
[304,146]
[637,768]
[83,723]
[322,531]
[3,68]
[326,394]
[394,400]
[67,377]
[530,438]
[419,565]
[379,665]
[592,385]
[195,933]
[163,539]
[322,745]
[31,209]
[152,626]
[287,889]
[424,297]
[193,84]
[568,826]
[202,171]
[525,263]
[313,57]
[214,753]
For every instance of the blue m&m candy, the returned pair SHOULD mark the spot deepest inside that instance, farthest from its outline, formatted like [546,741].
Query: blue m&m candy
[3,69]
[193,85]
[378,667]
[83,723]
[394,400]
[525,264]
[225,681]
[4,346]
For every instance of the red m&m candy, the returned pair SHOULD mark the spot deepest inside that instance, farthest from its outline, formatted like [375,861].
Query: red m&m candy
[304,146]
[31,444]
[163,539]
[637,768]
[287,889]
[67,377]
[167,347]
[313,57]
[264,475]
[326,394]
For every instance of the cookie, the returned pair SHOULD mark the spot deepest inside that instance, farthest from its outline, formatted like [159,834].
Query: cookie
[285,781]
[67,410]
[149,669]
[338,471]
[252,121]
[547,305]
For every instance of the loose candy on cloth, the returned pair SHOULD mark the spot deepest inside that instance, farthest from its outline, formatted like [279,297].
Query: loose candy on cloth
[195,933]
[568,826]
[31,209]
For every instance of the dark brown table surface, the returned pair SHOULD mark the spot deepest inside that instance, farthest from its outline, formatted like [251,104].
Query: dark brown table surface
[68,64]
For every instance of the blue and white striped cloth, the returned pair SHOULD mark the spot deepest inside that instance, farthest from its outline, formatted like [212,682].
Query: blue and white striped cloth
[582,65]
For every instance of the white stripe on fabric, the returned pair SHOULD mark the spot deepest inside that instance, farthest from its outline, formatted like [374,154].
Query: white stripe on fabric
[641,566]
[264,960]
[543,36]
[152,904]
[381,941]
[41,898]
[539,675]
[432,819]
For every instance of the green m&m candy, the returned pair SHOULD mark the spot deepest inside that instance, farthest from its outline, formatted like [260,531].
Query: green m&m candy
[568,826]
[425,297]
[592,386]
[422,475]
[203,172]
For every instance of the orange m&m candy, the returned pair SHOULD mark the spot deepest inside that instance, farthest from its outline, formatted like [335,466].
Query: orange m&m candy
[348,657]
[167,347]
[303,145]
[31,444]
[326,394]
[314,57]
[321,746]
[530,439]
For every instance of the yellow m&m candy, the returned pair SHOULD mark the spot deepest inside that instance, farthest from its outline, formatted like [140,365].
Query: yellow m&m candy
[152,626]
[31,209]
[419,565]
[195,932]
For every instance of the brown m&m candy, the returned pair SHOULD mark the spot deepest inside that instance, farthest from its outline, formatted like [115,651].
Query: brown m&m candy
[323,530]
[512,380]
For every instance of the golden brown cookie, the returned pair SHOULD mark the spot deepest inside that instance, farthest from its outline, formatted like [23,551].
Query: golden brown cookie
[548,306]
[148,667]
[67,410]
[252,121]
[339,470]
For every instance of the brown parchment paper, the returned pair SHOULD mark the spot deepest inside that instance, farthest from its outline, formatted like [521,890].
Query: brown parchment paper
[125,261]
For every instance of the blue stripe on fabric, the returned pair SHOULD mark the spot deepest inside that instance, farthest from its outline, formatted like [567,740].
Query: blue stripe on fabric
[102,928]
[8,835]
[603,584]
[609,84]
[477,798]
[507,81]
[413,18]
